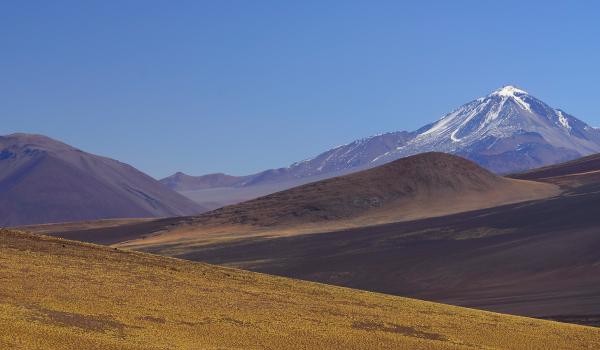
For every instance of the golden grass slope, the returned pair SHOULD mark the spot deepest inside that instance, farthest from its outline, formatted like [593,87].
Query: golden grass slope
[57,294]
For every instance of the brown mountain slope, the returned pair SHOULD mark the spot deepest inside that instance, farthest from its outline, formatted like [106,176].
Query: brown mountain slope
[418,186]
[91,297]
[425,185]
[43,180]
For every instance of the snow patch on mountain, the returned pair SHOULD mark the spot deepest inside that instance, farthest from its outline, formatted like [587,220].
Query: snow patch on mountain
[563,120]
[508,91]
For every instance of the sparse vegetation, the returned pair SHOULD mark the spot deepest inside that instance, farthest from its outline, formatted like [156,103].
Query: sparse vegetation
[58,294]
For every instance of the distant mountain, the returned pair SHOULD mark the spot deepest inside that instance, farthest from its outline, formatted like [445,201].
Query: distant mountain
[43,180]
[506,131]
[217,190]
[183,182]
[335,161]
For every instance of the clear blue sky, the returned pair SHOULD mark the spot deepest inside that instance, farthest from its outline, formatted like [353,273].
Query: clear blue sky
[242,86]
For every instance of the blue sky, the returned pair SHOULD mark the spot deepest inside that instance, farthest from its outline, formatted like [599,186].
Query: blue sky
[242,86]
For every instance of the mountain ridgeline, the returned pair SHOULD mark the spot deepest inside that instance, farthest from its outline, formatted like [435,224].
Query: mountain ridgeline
[336,161]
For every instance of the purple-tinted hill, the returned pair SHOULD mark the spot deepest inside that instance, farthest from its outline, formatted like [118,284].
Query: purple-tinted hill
[43,180]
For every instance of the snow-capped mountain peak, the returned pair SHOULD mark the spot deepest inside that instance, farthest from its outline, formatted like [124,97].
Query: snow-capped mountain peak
[507,130]
[508,119]
[508,91]
[514,93]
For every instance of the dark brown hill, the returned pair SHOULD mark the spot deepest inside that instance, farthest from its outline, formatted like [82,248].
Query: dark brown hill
[43,180]
[424,185]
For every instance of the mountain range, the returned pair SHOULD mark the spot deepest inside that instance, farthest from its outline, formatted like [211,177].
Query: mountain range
[43,180]
[506,131]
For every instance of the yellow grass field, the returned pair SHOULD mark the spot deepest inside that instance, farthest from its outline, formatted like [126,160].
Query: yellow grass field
[57,294]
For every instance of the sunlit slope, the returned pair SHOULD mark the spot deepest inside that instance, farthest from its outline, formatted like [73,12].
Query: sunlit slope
[57,294]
